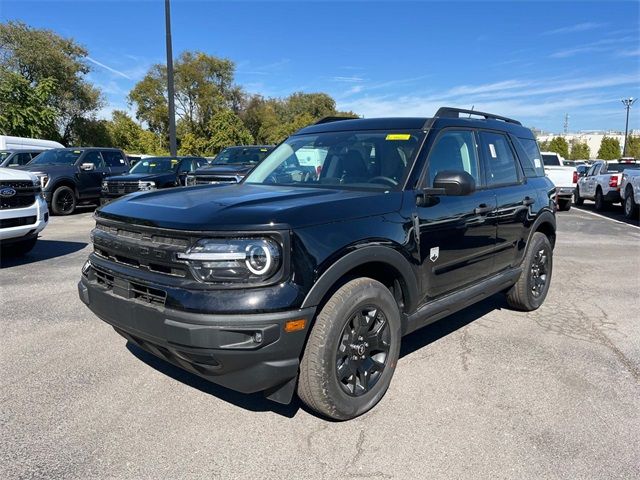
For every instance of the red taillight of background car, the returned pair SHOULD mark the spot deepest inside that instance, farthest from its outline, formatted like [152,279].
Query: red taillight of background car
[575,176]
[613,181]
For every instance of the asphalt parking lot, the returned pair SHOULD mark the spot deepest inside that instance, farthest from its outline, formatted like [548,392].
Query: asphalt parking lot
[486,393]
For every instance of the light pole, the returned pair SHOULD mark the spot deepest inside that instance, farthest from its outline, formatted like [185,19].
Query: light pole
[170,89]
[627,102]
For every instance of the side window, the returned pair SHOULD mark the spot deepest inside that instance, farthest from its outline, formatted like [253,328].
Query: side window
[454,150]
[94,157]
[500,162]
[531,163]
[113,158]
[185,166]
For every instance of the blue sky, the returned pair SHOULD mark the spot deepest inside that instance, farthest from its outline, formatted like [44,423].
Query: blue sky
[534,61]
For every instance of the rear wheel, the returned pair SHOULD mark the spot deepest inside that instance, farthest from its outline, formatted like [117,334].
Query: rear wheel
[577,200]
[63,201]
[352,351]
[600,203]
[564,205]
[630,206]
[532,287]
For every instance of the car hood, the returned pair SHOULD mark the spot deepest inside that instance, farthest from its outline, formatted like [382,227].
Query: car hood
[245,206]
[231,169]
[147,177]
[50,169]
[10,174]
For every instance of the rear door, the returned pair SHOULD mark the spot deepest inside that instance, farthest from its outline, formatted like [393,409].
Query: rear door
[115,161]
[457,233]
[514,197]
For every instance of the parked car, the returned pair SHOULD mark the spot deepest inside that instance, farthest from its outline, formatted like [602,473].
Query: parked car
[602,183]
[291,281]
[8,142]
[563,176]
[17,158]
[23,211]
[150,174]
[630,192]
[70,176]
[230,165]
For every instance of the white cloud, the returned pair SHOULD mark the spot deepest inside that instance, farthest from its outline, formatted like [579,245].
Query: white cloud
[579,27]
[106,67]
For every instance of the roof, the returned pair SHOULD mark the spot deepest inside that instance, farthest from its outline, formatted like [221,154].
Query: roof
[391,123]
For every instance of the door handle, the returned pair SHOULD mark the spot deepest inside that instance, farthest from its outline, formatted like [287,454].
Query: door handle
[526,201]
[482,208]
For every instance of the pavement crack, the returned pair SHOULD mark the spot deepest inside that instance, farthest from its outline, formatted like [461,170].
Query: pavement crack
[466,351]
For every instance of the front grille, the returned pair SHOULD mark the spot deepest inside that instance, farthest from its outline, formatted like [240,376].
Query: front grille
[122,188]
[208,179]
[136,291]
[17,222]
[140,248]
[25,194]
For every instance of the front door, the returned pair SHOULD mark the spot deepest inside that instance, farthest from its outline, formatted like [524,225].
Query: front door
[90,181]
[457,233]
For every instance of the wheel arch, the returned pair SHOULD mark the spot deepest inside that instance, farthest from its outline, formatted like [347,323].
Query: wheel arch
[545,223]
[381,263]
[64,182]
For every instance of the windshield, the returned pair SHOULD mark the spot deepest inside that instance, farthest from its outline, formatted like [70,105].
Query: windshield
[57,157]
[364,159]
[236,155]
[156,165]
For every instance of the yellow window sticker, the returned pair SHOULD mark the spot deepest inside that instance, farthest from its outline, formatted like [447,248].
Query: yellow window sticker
[173,162]
[77,151]
[398,136]
[152,164]
[263,149]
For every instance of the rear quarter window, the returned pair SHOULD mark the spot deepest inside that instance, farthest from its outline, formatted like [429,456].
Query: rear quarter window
[531,160]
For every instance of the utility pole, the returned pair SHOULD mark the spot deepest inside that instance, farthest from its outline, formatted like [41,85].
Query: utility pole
[566,123]
[627,102]
[170,89]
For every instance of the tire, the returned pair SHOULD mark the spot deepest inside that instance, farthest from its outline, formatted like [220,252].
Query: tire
[564,205]
[335,344]
[578,201]
[528,293]
[19,249]
[63,201]
[601,205]
[630,207]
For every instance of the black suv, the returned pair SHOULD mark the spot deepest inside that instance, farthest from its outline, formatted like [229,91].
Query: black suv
[150,174]
[308,278]
[70,176]
[230,165]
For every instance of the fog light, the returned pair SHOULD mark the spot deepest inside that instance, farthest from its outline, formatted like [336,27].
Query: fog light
[257,337]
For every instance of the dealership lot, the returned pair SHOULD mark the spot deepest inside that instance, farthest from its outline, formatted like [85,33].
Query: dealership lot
[484,393]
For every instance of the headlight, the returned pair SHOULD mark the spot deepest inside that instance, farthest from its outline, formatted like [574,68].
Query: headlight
[37,187]
[242,260]
[146,185]
[191,180]
[43,178]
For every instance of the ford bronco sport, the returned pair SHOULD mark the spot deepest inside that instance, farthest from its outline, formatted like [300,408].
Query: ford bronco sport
[306,279]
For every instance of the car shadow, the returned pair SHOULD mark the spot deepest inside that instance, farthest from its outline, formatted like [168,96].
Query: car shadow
[614,212]
[256,402]
[44,250]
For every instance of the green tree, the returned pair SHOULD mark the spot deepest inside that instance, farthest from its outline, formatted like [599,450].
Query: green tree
[226,129]
[131,137]
[24,109]
[559,145]
[90,132]
[544,146]
[633,146]
[579,151]
[191,144]
[609,149]
[40,55]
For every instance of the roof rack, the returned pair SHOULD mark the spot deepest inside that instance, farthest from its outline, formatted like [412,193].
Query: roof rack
[332,119]
[451,112]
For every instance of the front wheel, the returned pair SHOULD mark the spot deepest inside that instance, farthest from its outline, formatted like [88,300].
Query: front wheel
[63,201]
[564,205]
[352,351]
[577,199]
[532,287]
[600,203]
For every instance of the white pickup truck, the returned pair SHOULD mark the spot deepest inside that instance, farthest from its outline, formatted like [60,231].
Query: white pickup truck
[23,211]
[602,183]
[563,177]
[630,192]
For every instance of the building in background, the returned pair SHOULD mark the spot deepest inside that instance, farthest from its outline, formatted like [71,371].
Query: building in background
[592,138]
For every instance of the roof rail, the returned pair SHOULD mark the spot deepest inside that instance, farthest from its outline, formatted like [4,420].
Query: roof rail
[451,112]
[332,119]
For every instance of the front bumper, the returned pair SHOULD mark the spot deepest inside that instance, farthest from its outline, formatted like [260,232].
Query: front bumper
[245,352]
[38,215]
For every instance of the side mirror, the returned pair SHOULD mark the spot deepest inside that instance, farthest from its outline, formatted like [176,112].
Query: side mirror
[87,167]
[454,182]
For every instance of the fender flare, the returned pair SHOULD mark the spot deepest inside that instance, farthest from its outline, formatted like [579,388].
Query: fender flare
[359,257]
[67,181]
[546,216]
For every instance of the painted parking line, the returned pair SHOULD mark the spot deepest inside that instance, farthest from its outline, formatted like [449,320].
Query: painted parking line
[595,214]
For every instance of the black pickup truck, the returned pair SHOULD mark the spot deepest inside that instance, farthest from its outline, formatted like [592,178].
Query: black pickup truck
[70,176]
[230,165]
[305,280]
[150,174]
